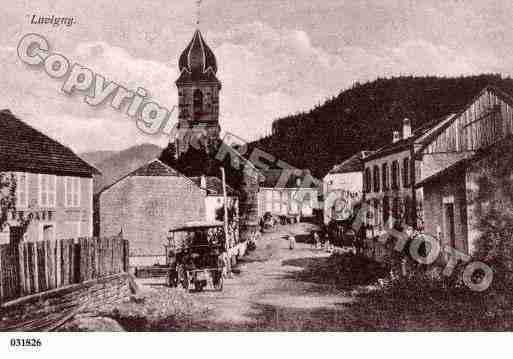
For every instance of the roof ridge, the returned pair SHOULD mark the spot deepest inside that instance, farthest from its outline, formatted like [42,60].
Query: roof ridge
[8,115]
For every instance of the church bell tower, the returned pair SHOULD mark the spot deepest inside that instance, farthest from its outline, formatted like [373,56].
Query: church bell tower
[198,96]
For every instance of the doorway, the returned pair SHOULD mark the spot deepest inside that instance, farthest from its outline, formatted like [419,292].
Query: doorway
[449,234]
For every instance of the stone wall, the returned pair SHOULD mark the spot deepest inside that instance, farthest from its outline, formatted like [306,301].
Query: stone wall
[43,310]
[146,208]
[438,194]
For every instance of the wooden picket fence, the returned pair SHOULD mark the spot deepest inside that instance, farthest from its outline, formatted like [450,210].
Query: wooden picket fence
[34,267]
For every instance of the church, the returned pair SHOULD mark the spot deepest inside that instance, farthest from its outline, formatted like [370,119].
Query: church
[180,186]
[197,149]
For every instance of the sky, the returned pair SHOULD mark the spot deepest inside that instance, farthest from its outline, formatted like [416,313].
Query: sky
[275,58]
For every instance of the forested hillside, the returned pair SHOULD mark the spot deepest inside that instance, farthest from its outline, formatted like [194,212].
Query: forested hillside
[115,164]
[363,117]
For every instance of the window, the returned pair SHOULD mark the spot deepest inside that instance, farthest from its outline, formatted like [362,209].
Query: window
[47,188]
[21,190]
[395,175]
[386,211]
[276,202]
[406,172]
[284,201]
[396,209]
[72,191]
[417,170]
[376,178]
[268,201]
[385,177]
[197,103]
[377,213]
[367,180]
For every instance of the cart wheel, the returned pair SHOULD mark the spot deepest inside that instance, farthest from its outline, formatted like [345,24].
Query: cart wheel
[185,281]
[198,286]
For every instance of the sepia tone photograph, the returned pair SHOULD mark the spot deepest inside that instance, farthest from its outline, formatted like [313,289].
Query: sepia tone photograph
[255,166]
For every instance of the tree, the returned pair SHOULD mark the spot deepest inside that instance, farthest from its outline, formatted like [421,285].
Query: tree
[7,197]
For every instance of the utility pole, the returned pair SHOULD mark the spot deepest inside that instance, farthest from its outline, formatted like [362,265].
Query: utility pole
[223,177]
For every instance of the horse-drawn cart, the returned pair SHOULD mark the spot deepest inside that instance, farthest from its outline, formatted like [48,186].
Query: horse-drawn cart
[195,255]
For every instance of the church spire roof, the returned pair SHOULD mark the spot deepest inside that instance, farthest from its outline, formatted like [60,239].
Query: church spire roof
[197,57]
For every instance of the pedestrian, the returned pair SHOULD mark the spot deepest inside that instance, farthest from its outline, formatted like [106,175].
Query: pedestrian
[292,242]
[329,247]
[315,239]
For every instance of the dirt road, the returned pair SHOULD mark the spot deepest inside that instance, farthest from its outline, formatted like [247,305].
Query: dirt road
[273,291]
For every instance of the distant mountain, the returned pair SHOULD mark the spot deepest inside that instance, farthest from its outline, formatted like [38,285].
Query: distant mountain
[364,117]
[96,156]
[115,164]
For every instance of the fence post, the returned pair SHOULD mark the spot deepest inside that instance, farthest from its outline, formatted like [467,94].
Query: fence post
[21,269]
[76,261]
[58,263]
[126,254]
[2,289]
[36,270]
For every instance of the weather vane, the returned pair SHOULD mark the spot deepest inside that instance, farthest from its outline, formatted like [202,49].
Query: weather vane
[198,13]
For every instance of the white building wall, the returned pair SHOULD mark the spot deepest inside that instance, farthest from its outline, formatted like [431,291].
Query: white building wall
[346,187]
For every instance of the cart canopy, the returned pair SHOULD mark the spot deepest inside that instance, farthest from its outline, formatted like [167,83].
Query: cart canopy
[195,225]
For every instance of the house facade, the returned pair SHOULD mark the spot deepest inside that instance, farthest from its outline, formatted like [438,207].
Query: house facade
[145,205]
[388,178]
[288,193]
[454,158]
[54,186]
[214,199]
[343,188]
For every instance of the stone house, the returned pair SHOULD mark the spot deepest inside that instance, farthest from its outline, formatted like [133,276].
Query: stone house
[288,193]
[145,205]
[388,176]
[343,187]
[453,159]
[389,179]
[54,186]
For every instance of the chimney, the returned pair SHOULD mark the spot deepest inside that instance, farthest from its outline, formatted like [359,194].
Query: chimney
[406,128]
[203,182]
[396,137]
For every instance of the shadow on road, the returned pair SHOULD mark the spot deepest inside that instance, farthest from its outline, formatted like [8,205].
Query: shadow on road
[343,272]
[267,317]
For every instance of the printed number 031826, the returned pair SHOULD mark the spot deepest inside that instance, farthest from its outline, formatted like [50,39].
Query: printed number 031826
[27,342]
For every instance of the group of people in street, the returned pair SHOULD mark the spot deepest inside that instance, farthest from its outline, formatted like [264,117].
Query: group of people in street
[318,241]
[321,240]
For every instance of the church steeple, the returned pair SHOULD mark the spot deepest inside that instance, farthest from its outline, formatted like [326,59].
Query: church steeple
[198,95]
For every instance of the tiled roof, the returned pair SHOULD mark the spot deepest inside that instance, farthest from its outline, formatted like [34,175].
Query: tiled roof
[425,133]
[273,178]
[503,93]
[23,148]
[352,164]
[214,186]
[418,135]
[452,171]
[155,168]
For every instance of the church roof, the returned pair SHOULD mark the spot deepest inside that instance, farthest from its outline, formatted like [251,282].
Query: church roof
[197,57]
